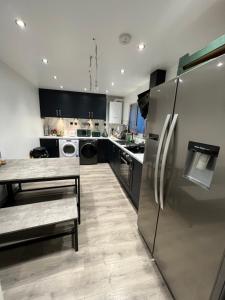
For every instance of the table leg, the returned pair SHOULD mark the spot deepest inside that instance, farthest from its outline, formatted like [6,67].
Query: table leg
[75,236]
[78,199]
[10,192]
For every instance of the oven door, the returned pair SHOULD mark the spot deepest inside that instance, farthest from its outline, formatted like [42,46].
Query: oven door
[125,169]
[69,149]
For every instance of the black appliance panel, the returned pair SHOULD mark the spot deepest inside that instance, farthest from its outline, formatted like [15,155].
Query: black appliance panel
[88,152]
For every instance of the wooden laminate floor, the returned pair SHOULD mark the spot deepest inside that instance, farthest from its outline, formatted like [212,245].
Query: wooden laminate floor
[112,262]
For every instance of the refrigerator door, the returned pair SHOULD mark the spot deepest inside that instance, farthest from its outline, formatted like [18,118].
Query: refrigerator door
[190,239]
[159,116]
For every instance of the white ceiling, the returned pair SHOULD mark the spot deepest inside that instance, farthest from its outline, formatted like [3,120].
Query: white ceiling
[62,31]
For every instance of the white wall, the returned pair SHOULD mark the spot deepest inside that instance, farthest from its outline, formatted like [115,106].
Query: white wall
[132,97]
[20,122]
[171,72]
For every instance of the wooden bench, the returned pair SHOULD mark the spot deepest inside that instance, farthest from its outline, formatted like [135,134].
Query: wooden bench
[29,216]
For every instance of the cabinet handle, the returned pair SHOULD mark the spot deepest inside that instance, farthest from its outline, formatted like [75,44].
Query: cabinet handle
[89,114]
[60,114]
[56,142]
[92,115]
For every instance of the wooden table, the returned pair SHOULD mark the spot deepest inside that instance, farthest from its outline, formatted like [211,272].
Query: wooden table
[18,171]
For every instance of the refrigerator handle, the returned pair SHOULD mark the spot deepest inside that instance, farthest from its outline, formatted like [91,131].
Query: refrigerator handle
[165,153]
[162,136]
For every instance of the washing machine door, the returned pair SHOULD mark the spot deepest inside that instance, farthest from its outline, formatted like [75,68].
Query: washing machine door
[89,150]
[69,149]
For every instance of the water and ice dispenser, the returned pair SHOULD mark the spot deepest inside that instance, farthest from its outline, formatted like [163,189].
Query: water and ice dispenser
[200,163]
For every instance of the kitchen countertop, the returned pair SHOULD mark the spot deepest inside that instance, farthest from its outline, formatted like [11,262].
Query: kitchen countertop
[138,156]
[72,137]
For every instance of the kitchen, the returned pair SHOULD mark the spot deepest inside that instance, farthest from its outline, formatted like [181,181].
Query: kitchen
[112,163]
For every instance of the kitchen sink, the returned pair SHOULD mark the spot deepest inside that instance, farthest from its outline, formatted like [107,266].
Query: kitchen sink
[134,148]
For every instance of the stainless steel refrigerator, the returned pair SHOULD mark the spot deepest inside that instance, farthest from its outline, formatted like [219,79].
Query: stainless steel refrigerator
[182,201]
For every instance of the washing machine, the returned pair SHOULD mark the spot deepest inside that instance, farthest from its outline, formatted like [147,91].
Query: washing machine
[88,151]
[68,148]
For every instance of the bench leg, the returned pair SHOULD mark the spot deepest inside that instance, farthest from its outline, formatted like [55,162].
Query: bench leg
[75,186]
[20,187]
[10,192]
[78,198]
[75,236]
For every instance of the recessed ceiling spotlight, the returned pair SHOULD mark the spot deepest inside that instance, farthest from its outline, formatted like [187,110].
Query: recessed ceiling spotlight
[85,89]
[45,61]
[61,87]
[141,46]
[220,64]
[122,71]
[20,23]
[107,91]
[113,83]
[55,77]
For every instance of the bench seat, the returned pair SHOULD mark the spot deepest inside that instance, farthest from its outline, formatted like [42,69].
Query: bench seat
[29,216]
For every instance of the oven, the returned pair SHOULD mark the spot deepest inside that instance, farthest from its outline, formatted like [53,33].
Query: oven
[125,169]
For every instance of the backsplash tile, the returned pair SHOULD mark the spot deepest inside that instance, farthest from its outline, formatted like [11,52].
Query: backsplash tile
[68,127]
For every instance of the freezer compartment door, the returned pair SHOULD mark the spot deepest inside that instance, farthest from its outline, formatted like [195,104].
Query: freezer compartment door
[190,238]
[160,113]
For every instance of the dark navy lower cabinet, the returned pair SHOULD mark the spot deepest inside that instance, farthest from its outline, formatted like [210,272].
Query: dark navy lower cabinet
[52,146]
[103,150]
[136,182]
[114,160]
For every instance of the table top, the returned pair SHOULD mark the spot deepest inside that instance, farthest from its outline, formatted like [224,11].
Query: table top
[21,170]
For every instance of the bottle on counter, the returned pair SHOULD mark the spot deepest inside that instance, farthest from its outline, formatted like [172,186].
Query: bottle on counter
[104,134]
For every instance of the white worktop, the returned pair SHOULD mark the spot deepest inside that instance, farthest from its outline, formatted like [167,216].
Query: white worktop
[138,156]
[72,137]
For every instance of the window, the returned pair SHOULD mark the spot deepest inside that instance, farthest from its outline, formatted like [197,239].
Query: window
[136,121]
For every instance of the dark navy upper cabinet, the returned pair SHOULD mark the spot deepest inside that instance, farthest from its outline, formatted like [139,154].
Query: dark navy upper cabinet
[49,103]
[67,104]
[98,106]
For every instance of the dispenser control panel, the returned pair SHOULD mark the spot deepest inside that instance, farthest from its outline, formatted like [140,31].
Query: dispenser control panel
[200,163]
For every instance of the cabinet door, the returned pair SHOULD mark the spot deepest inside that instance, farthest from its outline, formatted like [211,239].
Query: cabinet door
[74,105]
[116,159]
[97,104]
[67,104]
[49,103]
[110,152]
[103,150]
[136,182]
[52,146]
[113,155]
